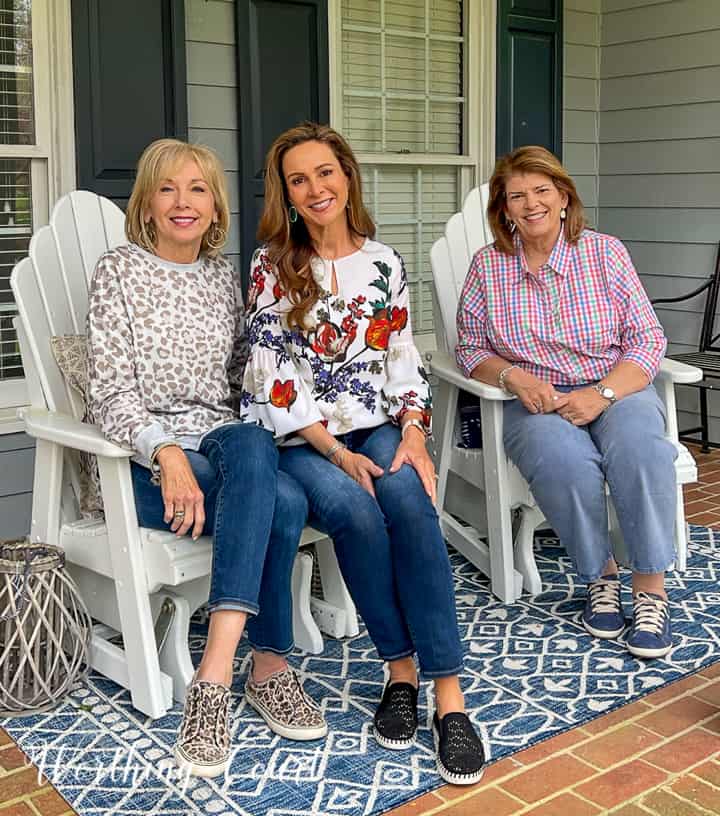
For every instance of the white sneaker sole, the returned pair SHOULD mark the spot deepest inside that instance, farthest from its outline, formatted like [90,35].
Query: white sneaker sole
[394,745]
[449,776]
[603,634]
[637,651]
[195,769]
[282,730]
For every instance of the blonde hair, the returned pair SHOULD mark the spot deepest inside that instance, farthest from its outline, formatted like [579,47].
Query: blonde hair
[531,159]
[289,244]
[158,161]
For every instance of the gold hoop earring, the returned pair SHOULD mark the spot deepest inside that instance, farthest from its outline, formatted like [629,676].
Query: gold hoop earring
[216,236]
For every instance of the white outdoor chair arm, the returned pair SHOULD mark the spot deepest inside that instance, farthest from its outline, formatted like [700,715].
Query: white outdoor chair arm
[678,372]
[442,365]
[69,432]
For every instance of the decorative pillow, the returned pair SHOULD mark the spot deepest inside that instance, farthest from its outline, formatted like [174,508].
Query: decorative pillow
[70,352]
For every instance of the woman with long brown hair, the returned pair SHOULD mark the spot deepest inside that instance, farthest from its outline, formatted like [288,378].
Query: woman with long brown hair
[334,372]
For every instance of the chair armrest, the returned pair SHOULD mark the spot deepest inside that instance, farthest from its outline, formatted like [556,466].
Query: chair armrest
[62,429]
[443,366]
[678,372]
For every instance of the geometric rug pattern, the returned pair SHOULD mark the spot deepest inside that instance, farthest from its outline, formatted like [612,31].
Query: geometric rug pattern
[531,672]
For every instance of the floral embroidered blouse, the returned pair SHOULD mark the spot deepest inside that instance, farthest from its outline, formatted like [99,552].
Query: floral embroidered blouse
[354,366]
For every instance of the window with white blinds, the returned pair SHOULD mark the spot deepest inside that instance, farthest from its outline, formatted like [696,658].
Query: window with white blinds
[17,129]
[17,125]
[403,99]
[15,232]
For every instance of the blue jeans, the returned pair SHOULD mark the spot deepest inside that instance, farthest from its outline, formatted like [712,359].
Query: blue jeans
[255,516]
[390,550]
[567,467]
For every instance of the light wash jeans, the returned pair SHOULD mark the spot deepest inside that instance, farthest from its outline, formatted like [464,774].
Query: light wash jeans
[390,549]
[255,515]
[567,467]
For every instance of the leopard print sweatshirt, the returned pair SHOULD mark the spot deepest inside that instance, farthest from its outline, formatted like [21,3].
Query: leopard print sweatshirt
[166,348]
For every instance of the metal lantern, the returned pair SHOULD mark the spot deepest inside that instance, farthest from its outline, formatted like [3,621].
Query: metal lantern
[44,628]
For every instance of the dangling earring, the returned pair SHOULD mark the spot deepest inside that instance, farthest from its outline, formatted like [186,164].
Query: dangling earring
[563,214]
[292,214]
[216,236]
[511,225]
[150,231]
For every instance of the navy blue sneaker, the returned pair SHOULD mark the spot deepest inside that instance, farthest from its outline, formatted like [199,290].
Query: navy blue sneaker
[603,616]
[650,634]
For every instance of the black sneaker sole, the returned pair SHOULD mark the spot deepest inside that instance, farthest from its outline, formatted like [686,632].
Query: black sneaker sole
[394,744]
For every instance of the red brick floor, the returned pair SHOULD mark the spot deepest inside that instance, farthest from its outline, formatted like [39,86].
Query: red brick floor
[659,755]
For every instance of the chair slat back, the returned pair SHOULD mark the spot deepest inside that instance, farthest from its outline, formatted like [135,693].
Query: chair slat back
[465,233]
[51,286]
[38,332]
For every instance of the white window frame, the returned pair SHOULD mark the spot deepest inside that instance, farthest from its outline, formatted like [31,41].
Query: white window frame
[476,163]
[52,157]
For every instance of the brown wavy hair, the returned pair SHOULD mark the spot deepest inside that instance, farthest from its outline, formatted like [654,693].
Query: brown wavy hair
[289,245]
[531,159]
[158,160]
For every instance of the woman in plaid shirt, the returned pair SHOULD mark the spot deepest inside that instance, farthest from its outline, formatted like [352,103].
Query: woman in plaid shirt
[556,314]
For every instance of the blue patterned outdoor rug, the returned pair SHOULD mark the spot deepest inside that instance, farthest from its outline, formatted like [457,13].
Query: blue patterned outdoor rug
[531,672]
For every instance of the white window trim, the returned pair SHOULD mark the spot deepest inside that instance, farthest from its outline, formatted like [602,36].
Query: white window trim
[53,157]
[476,164]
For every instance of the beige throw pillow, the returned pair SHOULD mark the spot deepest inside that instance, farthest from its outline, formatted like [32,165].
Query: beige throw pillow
[70,352]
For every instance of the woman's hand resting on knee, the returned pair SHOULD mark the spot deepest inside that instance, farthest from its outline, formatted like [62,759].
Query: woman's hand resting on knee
[360,468]
[412,451]
[183,499]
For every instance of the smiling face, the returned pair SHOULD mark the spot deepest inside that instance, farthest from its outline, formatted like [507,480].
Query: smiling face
[533,203]
[316,184]
[182,210]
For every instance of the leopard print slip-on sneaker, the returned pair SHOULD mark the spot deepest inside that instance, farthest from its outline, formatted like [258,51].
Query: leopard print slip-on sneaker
[203,745]
[282,702]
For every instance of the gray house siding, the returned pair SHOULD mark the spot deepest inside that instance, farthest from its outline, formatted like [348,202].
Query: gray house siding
[581,98]
[212,92]
[17,452]
[660,154]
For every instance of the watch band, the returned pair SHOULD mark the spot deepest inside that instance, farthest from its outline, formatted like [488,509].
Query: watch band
[413,423]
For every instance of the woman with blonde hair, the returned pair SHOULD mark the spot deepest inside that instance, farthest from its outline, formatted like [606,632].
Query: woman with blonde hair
[555,314]
[333,371]
[167,351]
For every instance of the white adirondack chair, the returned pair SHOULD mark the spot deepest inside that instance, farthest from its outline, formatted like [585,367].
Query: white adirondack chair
[143,584]
[489,514]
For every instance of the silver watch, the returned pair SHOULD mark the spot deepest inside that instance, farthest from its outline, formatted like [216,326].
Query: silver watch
[606,392]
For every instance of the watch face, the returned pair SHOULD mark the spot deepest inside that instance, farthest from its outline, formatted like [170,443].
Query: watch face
[608,393]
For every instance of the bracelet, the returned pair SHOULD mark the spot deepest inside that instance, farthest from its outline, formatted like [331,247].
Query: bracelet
[331,452]
[154,466]
[413,423]
[502,375]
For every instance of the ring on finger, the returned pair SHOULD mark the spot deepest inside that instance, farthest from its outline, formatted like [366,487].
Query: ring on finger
[179,514]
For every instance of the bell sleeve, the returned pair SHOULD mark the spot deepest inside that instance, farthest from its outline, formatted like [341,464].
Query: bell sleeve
[277,387]
[406,387]
[115,402]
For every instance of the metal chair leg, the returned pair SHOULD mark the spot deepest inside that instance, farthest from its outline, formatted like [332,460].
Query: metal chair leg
[705,433]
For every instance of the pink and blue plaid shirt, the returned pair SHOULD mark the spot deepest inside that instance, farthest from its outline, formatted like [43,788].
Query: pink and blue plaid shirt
[582,313]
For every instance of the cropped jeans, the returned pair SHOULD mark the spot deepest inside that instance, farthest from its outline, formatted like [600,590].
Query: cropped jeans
[567,467]
[390,549]
[255,516]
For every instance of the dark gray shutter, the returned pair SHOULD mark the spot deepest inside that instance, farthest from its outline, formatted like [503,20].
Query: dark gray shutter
[130,86]
[529,74]
[282,80]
